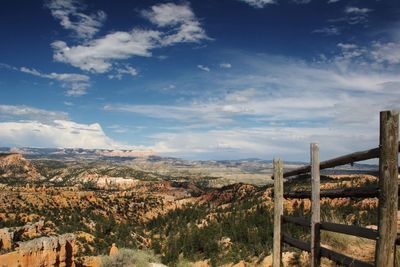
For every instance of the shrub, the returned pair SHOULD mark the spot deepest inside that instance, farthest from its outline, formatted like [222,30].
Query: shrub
[129,258]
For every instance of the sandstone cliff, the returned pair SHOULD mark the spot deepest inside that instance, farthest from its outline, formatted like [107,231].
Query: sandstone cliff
[9,236]
[42,252]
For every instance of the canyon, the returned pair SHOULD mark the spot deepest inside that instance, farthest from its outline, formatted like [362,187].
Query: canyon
[71,211]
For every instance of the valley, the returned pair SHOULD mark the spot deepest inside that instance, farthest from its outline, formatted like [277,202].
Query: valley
[177,212]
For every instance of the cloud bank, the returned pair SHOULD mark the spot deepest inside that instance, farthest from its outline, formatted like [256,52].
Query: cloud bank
[27,126]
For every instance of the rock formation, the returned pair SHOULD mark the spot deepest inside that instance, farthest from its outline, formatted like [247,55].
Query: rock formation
[13,165]
[88,261]
[8,236]
[42,252]
[113,250]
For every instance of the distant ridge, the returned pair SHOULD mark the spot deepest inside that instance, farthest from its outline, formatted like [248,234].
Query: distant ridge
[60,152]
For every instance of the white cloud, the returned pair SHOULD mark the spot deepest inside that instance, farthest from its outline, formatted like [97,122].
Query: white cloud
[30,113]
[186,26]
[169,14]
[123,70]
[278,113]
[346,46]
[60,133]
[25,126]
[258,3]
[333,1]
[76,84]
[204,68]
[353,16]
[377,55]
[189,32]
[386,52]
[98,55]
[169,87]
[330,30]
[116,128]
[322,103]
[70,17]
[225,65]
[265,142]
[357,10]
[63,77]
[181,113]
[67,103]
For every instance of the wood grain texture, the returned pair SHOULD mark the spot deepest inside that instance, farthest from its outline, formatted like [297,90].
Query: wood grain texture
[278,212]
[342,160]
[388,185]
[315,205]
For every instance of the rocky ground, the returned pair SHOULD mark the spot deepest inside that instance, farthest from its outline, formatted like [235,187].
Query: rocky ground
[58,213]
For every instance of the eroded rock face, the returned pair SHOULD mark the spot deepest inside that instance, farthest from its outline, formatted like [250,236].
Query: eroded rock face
[13,165]
[42,252]
[8,236]
[89,261]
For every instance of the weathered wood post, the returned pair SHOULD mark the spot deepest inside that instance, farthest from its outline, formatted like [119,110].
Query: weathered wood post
[388,186]
[315,205]
[278,212]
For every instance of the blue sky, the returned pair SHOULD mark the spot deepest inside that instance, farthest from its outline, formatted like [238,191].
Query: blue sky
[199,79]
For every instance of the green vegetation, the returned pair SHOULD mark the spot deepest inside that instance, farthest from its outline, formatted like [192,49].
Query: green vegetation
[129,258]
[233,225]
[238,232]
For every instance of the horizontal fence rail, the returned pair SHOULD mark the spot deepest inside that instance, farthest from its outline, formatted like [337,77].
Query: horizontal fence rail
[300,244]
[324,252]
[356,192]
[343,259]
[350,230]
[334,227]
[342,160]
[296,220]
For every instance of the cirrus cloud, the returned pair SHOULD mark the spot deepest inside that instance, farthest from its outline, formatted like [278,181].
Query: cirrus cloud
[204,68]
[70,17]
[258,3]
[30,113]
[76,84]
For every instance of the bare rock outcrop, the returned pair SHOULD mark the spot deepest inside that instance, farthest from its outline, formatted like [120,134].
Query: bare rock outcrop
[8,236]
[113,250]
[204,263]
[88,261]
[14,165]
[42,252]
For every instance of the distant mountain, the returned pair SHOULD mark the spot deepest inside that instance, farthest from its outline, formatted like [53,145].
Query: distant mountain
[14,167]
[73,153]
[247,165]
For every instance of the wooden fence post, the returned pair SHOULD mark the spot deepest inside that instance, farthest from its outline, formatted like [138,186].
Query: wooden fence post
[278,212]
[315,205]
[388,185]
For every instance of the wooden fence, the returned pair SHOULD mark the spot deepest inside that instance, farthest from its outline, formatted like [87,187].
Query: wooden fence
[387,193]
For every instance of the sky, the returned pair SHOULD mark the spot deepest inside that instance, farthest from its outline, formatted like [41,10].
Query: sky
[200,79]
